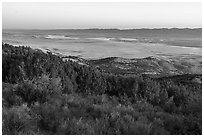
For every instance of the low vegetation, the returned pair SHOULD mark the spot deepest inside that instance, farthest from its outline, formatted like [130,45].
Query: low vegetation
[42,94]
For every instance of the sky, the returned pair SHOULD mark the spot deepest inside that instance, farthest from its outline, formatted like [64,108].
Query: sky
[101,15]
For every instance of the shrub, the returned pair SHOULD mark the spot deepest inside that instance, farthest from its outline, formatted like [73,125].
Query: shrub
[9,97]
[49,116]
[39,89]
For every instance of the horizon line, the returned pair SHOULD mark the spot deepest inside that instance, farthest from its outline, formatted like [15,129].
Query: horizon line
[102,28]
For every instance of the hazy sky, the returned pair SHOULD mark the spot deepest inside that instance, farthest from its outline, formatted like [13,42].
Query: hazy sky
[101,15]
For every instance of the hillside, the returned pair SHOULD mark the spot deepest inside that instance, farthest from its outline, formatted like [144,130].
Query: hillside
[149,65]
[44,93]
